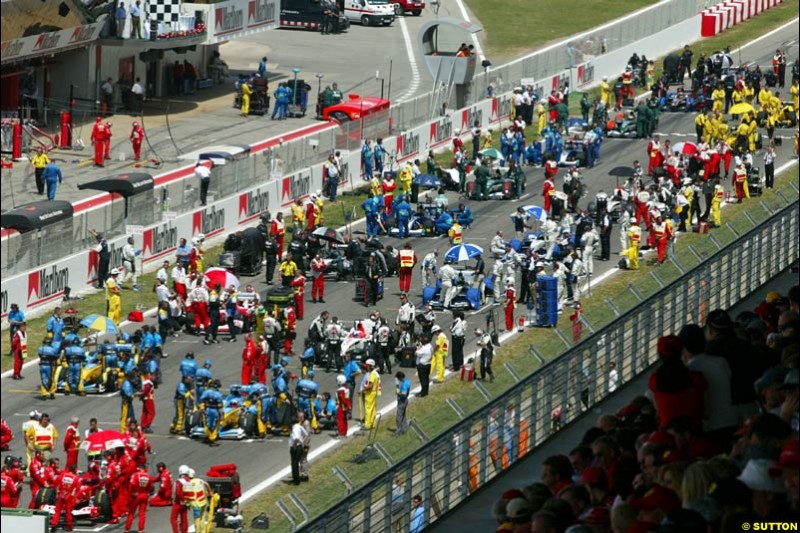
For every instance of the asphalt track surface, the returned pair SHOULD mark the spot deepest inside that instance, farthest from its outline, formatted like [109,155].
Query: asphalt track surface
[260,459]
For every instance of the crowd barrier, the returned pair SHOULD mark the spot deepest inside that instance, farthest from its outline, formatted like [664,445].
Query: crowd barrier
[460,460]
[28,259]
[729,13]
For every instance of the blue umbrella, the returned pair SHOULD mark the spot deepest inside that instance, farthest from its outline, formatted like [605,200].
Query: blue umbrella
[463,252]
[428,181]
[100,323]
[535,212]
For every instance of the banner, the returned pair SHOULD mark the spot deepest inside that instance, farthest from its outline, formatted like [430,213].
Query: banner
[51,42]
[234,18]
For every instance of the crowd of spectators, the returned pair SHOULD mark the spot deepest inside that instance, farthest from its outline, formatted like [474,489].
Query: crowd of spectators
[712,447]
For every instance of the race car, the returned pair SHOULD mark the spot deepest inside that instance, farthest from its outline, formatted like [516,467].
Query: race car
[499,187]
[101,372]
[92,507]
[622,126]
[234,417]
[572,155]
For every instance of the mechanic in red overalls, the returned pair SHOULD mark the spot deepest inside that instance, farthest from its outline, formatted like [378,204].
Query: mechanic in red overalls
[100,136]
[68,485]
[9,491]
[248,359]
[140,486]
[163,497]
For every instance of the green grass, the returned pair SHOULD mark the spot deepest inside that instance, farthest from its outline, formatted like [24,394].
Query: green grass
[735,37]
[94,302]
[513,27]
[434,415]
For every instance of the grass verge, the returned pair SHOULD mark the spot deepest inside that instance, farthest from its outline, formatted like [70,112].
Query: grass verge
[435,416]
[94,302]
[514,27]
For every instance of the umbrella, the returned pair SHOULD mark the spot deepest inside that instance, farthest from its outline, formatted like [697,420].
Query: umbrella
[328,234]
[428,181]
[622,172]
[463,252]
[494,153]
[100,323]
[685,148]
[107,439]
[535,212]
[741,109]
[222,276]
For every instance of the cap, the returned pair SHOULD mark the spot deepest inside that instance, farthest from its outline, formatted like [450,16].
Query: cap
[518,508]
[657,497]
[207,363]
[596,515]
[792,379]
[370,362]
[789,459]
[341,380]
[478,331]
[435,328]
[661,438]
[773,296]
[34,414]
[719,319]
[512,494]
[772,376]
[669,346]
[183,470]
[594,476]
[114,272]
[756,475]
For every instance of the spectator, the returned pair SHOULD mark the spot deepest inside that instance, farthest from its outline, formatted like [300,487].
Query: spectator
[120,15]
[577,496]
[519,515]
[720,417]
[136,20]
[768,492]
[677,390]
[417,514]
[622,517]
[544,522]
[696,481]
[580,458]
[557,473]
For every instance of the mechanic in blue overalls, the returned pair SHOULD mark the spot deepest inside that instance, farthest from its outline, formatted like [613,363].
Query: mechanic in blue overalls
[203,378]
[188,366]
[281,94]
[377,153]
[48,356]
[76,357]
[127,393]
[110,367]
[281,394]
[371,210]
[307,359]
[307,390]
[403,211]
[183,395]
[55,325]
[211,405]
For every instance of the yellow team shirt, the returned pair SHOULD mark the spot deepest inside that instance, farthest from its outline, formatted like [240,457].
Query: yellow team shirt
[40,160]
[298,215]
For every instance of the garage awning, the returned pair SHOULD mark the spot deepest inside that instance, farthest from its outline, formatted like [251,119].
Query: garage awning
[36,215]
[125,184]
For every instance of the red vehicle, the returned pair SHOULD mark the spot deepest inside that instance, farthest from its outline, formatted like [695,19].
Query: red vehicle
[93,506]
[403,6]
[355,108]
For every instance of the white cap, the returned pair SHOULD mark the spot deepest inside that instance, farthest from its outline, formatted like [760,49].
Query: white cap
[458,131]
[478,331]
[201,237]
[757,477]
[370,362]
[435,328]
[632,220]
[605,78]
[313,196]
[539,264]
[509,281]
[341,380]
[194,240]
[191,472]
[34,414]
[114,272]
[183,470]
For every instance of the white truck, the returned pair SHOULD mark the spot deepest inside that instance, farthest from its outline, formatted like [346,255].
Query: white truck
[369,12]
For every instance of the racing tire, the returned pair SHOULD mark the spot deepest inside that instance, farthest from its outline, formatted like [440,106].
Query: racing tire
[249,424]
[103,503]
[45,496]
[417,12]
[365,21]
[398,10]
[194,420]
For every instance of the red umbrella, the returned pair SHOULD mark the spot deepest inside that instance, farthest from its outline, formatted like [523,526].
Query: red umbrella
[222,276]
[107,439]
[685,148]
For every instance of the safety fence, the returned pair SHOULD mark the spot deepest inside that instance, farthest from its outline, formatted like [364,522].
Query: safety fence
[537,68]
[447,469]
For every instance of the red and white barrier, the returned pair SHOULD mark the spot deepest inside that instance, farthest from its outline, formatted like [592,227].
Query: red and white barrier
[729,13]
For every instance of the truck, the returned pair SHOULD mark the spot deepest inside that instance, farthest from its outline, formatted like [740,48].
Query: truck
[368,12]
[415,7]
[309,15]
